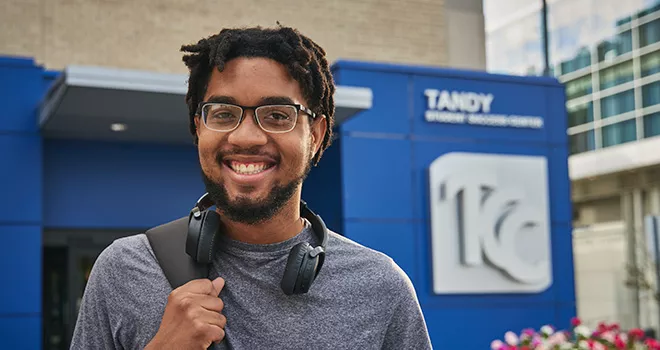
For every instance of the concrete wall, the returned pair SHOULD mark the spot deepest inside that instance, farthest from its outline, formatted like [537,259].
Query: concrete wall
[600,278]
[148,34]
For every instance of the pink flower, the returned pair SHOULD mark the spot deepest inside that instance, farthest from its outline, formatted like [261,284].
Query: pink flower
[557,338]
[575,321]
[609,336]
[497,345]
[511,338]
[528,332]
[598,346]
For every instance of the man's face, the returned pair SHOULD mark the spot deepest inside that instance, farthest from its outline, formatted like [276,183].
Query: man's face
[250,173]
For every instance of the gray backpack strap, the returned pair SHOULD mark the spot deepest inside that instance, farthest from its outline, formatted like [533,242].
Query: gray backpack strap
[168,241]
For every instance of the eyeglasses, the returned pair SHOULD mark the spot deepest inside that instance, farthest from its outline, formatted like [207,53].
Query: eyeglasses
[227,117]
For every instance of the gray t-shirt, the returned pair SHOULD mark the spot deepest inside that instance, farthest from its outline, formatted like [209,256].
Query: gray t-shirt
[360,300]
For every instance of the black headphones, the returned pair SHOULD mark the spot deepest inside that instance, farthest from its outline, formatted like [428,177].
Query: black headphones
[303,264]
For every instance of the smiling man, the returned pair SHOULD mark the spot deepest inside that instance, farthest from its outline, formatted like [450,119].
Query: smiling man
[261,113]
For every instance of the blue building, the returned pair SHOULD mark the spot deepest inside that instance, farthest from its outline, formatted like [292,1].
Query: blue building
[461,177]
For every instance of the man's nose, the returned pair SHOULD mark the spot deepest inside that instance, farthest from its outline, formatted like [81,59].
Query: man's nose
[248,133]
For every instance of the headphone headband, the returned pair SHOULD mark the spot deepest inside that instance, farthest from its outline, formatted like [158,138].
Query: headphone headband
[304,262]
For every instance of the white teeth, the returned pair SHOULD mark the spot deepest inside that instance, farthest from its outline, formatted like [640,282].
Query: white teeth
[249,169]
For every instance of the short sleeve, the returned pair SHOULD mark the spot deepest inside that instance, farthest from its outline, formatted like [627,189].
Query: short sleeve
[407,328]
[93,327]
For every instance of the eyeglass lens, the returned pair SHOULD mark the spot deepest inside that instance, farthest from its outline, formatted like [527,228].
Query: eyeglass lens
[272,118]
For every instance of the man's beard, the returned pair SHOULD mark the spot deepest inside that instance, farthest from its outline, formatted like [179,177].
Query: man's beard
[248,211]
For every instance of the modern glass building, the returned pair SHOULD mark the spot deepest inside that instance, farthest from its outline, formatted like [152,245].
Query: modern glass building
[607,55]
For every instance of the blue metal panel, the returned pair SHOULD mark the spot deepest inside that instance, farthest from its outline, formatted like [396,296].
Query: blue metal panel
[396,240]
[342,66]
[389,112]
[21,88]
[403,160]
[563,272]
[322,190]
[377,178]
[20,332]
[105,185]
[474,327]
[20,270]
[557,115]
[20,178]
[560,187]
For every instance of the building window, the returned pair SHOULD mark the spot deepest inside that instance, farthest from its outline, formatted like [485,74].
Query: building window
[616,134]
[650,63]
[616,75]
[651,94]
[650,10]
[582,142]
[578,87]
[581,60]
[580,114]
[622,102]
[652,125]
[617,46]
[649,33]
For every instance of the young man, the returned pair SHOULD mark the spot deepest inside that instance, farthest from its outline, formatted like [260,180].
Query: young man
[261,112]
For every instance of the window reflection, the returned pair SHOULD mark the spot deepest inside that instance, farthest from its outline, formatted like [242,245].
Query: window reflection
[649,33]
[578,87]
[620,103]
[616,75]
[652,125]
[650,63]
[651,94]
[582,142]
[616,134]
[580,114]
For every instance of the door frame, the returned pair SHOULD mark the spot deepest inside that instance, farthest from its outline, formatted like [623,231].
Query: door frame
[79,243]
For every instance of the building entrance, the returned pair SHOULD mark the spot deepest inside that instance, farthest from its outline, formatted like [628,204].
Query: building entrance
[68,258]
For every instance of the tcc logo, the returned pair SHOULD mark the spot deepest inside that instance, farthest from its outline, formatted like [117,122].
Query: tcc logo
[490,226]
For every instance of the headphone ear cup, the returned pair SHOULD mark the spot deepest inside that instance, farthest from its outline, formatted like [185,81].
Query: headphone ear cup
[306,274]
[210,224]
[293,266]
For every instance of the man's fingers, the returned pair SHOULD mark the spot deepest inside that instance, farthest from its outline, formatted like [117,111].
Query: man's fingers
[203,286]
[216,334]
[214,318]
[218,284]
[210,303]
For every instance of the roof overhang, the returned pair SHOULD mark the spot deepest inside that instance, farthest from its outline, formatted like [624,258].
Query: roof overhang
[85,102]
[616,159]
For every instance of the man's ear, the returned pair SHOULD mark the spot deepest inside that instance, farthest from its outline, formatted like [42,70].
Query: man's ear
[196,120]
[319,127]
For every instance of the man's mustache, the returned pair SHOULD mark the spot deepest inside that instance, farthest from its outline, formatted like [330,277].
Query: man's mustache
[254,151]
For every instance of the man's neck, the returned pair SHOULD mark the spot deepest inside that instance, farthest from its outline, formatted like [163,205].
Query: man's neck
[283,226]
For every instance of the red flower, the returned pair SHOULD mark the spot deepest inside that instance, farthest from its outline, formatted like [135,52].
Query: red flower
[620,344]
[575,321]
[636,333]
[652,343]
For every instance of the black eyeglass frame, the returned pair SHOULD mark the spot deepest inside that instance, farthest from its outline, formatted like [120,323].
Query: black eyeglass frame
[298,107]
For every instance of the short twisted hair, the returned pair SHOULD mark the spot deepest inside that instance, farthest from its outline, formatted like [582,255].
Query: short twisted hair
[304,59]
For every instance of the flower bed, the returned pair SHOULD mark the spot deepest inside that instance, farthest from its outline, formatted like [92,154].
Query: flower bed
[604,337]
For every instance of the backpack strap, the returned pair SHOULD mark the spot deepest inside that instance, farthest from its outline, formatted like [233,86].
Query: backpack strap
[168,241]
